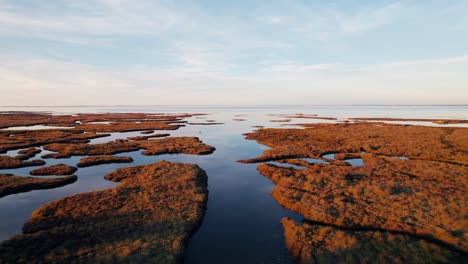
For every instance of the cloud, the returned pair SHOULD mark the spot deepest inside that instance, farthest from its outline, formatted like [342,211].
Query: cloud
[100,19]
[368,18]
[153,52]
[328,22]
[27,81]
[439,61]
[291,67]
[275,20]
[89,19]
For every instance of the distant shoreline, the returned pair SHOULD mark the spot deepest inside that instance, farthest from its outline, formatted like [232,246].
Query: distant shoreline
[338,105]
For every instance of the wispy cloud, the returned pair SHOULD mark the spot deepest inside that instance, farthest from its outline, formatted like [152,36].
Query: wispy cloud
[294,68]
[438,61]
[89,19]
[329,22]
[97,49]
[106,18]
[45,82]
[368,18]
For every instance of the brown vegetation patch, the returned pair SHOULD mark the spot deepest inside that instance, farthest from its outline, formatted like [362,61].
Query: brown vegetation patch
[148,137]
[10,140]
[30,152]
[98,160]
[186,145]
[414,142]
[147,218]
[423,197]
[7,162]
[11,119]
[204,124]
[436,121]
[311,243]
[83,130]
[108,148]
[128,126]
[11,184]
[306,116]
[281,120]
[59,169]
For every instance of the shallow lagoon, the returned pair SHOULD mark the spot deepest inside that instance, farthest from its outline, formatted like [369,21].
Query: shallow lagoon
[242,222]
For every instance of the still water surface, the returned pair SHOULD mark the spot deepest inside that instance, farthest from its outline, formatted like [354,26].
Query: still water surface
[242,222]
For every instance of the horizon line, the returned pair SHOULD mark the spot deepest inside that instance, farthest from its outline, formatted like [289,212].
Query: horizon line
[234,105]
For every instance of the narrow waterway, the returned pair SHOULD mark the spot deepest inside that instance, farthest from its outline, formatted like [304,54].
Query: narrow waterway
[242,221]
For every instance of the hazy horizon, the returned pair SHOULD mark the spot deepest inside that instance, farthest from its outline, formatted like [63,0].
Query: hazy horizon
[234,105]
[140,53]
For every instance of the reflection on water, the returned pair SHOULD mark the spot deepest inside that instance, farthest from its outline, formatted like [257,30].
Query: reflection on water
[402,158]
[355,162]
[242,222]
[286,165]
[314,161]
[329,156]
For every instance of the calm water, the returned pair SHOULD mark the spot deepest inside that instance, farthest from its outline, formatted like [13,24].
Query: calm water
[242,222]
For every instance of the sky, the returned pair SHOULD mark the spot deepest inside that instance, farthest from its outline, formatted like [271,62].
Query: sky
[135,52]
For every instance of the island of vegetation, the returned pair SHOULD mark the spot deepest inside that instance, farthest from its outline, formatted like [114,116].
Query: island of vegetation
[404,201]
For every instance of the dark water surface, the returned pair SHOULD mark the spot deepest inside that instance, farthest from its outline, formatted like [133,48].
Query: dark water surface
[242,222]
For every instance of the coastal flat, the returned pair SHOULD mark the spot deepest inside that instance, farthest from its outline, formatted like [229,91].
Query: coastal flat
[98,160]
[11,184]
[7,162]
[363,189]
[59,169]
[411,180]
[147,218]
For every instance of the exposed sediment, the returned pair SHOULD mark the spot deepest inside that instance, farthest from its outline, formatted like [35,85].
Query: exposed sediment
[147,218]
[419,199]
[11,184]
[98,160]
